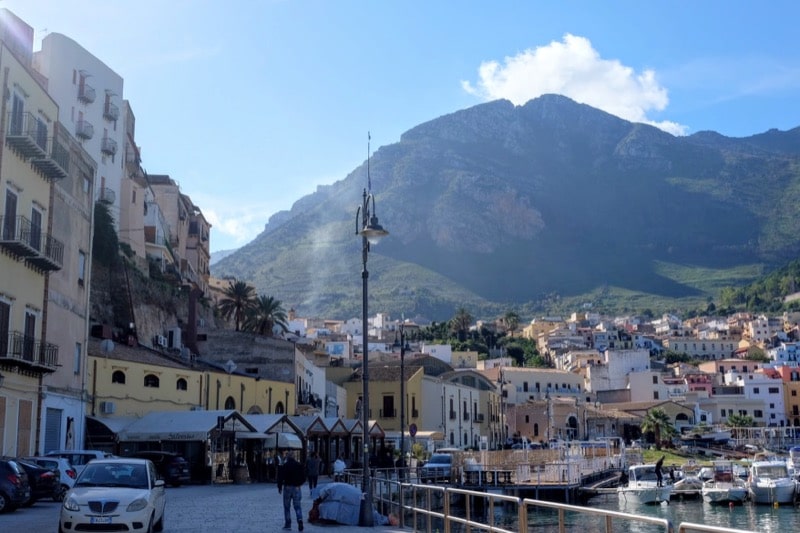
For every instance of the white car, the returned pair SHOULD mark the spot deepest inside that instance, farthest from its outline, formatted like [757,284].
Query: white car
[115,495]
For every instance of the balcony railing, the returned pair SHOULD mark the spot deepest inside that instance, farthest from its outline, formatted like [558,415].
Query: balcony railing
[452,415]
[387,413]
[55,163]
[22,238]
[86,93]
[111,111]
[108,146]
[107,196]
[414,413]
[84,129]
[466,415]
[27,134]
[27,352]
[479,418]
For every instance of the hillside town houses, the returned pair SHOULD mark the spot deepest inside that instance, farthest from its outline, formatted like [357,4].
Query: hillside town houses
[69,380]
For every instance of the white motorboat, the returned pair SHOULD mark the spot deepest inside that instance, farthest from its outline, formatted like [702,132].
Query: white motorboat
[770,482]
[724,487]
[642,486]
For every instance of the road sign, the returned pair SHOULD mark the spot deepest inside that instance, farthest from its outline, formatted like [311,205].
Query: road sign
[412,429]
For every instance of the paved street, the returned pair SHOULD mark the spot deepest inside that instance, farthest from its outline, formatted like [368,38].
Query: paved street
[203,508]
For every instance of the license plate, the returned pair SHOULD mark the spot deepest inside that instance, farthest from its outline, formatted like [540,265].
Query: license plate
[100,520]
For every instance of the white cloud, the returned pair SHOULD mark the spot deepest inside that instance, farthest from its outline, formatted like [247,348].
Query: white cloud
[573,68]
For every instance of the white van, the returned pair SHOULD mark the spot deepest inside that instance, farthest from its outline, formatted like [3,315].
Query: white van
[79,458]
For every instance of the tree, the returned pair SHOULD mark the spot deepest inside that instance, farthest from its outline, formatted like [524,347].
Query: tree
[105,244]
[264,315]
[736,421]
[238,300]
[461,323]
[656,421]
[511,322]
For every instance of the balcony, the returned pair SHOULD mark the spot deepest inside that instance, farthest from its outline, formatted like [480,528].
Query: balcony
[111,112]
[107,196]
[84,129]
[27,134]
[50,256]
[466,416]
[452,415]
[414,413]
[22,239]
[479,418]
[27,353]
[387,413]
[55,163]
[108,146]
[86,93]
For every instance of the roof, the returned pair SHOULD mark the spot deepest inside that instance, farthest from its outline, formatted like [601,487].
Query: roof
[182,425]
[268,423]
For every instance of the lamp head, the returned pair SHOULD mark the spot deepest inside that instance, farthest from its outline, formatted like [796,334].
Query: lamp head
[373,231]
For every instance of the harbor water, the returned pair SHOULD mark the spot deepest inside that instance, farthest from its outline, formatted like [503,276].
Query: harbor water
[748,517]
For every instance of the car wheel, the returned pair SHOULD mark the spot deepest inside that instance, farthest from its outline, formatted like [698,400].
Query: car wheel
[60,493]
[150,523]
[159,526]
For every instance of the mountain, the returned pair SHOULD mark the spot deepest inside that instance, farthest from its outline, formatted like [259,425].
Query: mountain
[219,255]
[500,207]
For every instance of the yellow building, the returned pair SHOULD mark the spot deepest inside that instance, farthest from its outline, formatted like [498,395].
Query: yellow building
[31,159]
[131,382]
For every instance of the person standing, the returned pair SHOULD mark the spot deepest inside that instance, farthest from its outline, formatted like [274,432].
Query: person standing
[291,477]
[338,469]
[659,475]
[312,471]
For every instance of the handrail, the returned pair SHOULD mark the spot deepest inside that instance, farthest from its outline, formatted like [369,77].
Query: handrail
[689,526]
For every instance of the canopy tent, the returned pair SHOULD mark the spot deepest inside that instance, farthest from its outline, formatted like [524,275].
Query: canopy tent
[182,425]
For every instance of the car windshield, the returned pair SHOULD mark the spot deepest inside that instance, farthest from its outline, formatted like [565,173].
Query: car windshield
[440,460]
[113,475]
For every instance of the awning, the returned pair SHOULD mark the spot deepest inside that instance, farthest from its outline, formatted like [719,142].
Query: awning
[283,440]
[249,435]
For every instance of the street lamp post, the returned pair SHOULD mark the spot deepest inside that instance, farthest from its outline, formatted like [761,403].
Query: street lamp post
[371,233]
[403,347]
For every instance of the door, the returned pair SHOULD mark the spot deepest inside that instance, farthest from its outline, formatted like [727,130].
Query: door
[29,338]
[52,430]
[17,114]
[10,217]
[36,230]
[5,317]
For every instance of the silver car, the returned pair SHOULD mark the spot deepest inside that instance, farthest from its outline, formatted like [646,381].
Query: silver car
[115,495]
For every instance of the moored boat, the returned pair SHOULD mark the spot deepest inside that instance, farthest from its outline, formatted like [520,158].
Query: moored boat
[770,482]
[642,486]
[724,487]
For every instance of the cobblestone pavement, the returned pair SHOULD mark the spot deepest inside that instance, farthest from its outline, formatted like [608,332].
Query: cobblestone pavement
[199,508]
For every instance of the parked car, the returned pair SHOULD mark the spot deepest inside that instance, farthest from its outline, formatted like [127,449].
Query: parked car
[122,494]
[67,473]
[171,467]
[14,487]
[79,458]
[45,483]
[437,469]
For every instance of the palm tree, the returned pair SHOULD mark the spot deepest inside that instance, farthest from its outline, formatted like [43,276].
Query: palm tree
[656,421]
[239,298]
[511,321]
[461,323]
[266,313]
[738,421]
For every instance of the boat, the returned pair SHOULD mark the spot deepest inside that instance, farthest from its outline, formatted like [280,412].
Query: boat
[687,488]
[770,482]
[724,487]
[642,486]
[794,462]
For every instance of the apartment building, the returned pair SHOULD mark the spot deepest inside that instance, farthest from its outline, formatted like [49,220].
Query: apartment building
[32,159]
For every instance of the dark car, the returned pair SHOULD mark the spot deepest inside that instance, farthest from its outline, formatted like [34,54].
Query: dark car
[171,467]
[45,483]
[14,487]
[437,469]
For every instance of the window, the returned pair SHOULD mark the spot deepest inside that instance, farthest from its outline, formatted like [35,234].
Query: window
[388,406]
[655,395]
[76,361]
[524,386]
[536,430]
[773,390]
[181,384]
[655,380]
[230,403]
[81,267]
[758,413]
[118,377]
[756,390]
[722,413]
[527,419]
[151,380]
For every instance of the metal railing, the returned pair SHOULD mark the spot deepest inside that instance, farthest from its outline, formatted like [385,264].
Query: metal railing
[430,508]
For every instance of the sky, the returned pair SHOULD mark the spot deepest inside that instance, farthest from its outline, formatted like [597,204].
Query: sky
[251,104]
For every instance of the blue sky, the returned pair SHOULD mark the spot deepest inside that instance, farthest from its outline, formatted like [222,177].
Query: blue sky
[250,105]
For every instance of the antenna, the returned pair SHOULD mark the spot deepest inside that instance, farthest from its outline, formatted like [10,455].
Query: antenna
[369,180]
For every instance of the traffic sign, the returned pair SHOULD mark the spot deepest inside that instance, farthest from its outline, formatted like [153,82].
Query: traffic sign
[412,429]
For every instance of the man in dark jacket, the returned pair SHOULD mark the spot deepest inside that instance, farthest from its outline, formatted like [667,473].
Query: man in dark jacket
[291,476]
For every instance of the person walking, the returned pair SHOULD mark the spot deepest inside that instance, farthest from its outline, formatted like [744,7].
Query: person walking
[312,471]
[659,475]
[291,476]
[338,469]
